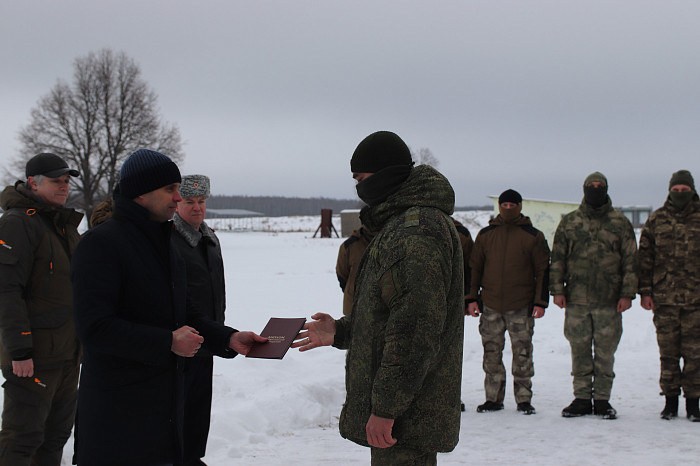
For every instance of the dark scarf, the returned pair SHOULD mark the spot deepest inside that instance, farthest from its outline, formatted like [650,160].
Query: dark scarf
[377,188]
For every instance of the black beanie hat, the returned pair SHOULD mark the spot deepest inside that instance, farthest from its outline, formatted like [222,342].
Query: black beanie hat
[682,177]
[380,150]
[510,195]
[145,171]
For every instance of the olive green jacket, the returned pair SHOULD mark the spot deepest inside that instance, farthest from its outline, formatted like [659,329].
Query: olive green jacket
[594,257]
[36,302]
[404,336]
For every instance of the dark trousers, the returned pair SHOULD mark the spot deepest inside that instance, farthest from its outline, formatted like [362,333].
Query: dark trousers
[37,417]
[402,456]
[198,386]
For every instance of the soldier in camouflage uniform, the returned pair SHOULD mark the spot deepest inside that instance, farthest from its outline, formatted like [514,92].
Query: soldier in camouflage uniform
[594,277]
[404,335]
[669,283]
[510,270]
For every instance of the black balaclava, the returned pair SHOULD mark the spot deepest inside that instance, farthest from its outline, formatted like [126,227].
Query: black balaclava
[595,197]
[387,157]
[681,199]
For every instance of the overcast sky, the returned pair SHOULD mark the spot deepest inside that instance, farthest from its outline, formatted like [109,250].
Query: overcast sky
[272,97]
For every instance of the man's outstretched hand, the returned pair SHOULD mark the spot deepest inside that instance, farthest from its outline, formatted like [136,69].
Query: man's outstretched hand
[320,332]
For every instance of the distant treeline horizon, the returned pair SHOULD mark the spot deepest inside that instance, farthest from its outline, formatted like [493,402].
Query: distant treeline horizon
[280,206]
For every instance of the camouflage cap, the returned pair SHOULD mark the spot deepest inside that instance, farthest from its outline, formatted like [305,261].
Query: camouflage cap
[595,176]
[194,186]
[682,177]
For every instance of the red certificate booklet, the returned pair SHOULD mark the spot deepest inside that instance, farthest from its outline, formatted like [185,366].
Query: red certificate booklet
[281,333]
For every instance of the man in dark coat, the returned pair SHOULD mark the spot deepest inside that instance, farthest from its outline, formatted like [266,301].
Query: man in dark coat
[199,246]
[136,324]
[405,334]
[40,353]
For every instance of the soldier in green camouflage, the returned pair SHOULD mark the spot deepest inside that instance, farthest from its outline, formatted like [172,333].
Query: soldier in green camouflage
[669,283]
[593,276]
[404,335]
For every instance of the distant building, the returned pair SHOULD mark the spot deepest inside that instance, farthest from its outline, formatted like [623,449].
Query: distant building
[349,221]
[545,215]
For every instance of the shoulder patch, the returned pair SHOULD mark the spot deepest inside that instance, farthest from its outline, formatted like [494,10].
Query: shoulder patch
[412,218]
[487,229]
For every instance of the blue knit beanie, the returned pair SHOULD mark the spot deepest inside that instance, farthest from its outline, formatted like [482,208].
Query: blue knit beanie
[145,171]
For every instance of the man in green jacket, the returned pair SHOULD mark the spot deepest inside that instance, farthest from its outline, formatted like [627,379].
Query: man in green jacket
[510,271]
[594,277]
[404,335]
[669,283]
[40,352]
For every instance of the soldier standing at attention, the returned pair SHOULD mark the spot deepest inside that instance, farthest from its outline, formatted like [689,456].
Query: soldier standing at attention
[594,277]
[510,270]
[669,283]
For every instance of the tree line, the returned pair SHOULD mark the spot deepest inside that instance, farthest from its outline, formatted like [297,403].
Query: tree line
[278,206]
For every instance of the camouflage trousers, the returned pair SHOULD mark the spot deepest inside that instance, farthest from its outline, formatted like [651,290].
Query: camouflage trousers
[678,335]
[593,334]
[520,326]
[402,456]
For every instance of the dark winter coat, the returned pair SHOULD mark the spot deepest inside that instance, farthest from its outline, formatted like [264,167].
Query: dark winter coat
[36,303]
[510,265]
[205,267]
[129,289]
[404,336]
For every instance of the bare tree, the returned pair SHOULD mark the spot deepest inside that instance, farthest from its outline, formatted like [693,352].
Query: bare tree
[425,157]
[96,122]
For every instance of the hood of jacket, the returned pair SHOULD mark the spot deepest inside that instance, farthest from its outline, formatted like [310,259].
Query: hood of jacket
[21,197]
[424,187]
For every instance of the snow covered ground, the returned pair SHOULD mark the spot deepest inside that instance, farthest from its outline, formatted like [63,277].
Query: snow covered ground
[267,412]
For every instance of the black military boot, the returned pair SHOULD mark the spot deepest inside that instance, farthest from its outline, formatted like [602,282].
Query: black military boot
[489,406]
[602,408]
[578,407]
[526,408]
[671,409]
[691,409]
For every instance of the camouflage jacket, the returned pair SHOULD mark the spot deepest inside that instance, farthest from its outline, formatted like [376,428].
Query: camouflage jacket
[404,336]
[669,255]
[594,257]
